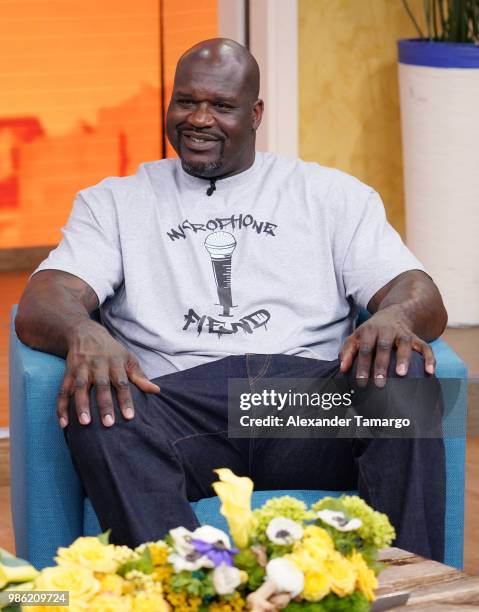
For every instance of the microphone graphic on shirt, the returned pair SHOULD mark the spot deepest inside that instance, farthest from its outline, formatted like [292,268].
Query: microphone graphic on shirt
[220,246]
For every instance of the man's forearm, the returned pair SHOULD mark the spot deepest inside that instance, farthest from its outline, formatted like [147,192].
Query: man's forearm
[417,300]
[53,305]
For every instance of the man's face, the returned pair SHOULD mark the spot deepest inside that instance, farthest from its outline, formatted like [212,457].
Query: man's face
[212,118]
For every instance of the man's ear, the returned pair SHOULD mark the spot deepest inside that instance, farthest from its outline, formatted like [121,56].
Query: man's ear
[257,114]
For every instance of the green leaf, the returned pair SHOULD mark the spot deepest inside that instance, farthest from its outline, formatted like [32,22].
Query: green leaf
[4,553]
[104,537]
[142,564]
[181,580]
[198,583]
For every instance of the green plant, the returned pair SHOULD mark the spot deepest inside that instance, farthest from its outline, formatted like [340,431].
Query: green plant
[448,20]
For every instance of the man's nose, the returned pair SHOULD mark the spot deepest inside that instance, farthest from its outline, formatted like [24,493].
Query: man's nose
[201,116]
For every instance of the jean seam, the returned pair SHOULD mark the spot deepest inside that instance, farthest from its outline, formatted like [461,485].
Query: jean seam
[263,370]
[199,435]
[251,440]
[248,372]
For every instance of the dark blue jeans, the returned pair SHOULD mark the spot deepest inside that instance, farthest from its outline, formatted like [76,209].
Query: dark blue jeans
[140,475]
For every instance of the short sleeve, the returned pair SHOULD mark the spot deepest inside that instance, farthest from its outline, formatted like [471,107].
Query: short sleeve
[90,247]
[375,255]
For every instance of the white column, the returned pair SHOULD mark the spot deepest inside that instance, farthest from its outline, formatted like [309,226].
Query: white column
[231,15]
[274,43]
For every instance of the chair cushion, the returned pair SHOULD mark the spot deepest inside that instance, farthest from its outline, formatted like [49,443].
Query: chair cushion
[208,509]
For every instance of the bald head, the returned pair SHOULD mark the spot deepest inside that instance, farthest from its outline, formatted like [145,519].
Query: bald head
[224,52]
[214,110]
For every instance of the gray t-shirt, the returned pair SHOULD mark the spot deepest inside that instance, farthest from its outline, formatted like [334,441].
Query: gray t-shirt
[276,260]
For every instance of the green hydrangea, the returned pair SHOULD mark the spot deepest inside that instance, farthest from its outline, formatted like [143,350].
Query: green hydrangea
[376,531]
[356,602]
[287,507]
[246,560]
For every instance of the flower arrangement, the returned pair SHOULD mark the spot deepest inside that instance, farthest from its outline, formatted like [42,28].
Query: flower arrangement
[282,556]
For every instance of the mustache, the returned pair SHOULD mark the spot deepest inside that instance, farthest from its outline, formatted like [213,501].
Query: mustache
[200,133]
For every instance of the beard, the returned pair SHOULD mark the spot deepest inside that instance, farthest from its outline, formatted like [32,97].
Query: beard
[202,169]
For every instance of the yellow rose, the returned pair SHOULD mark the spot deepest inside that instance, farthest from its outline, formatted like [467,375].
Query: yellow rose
[79,581]
[110,603]
[91,553]
[303,560]
[315,547]
[149,602]
[342,574]
[235,495]
[315,537]
[316,585]
[111,583]
[366,580]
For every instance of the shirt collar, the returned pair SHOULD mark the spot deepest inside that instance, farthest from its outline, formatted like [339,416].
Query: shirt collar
[224,184]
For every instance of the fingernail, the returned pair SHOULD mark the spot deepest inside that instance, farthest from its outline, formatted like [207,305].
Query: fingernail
[108,420]
[380,381]
[361,381]
[84,418]
[63,422]
[401,369]
[157,388]
[430,369]
[129,413]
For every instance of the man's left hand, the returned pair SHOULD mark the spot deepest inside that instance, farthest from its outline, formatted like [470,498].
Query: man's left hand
[373,342]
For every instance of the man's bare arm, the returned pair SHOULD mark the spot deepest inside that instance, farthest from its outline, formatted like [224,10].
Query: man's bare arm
[54,316]
[52,306]
[408,312]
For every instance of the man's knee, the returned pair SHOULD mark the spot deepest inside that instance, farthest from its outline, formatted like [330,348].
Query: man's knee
[88,441]
[416,366]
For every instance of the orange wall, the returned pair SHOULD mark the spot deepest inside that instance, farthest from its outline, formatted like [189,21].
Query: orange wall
[184,26]
[81,99]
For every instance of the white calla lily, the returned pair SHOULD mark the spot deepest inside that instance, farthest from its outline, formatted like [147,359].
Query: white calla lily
[286,576]
[338,520]
[283,530]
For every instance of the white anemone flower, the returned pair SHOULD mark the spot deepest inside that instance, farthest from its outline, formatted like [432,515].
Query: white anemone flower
[226,579]
[284,531]
[338,520]
[182,540]
[285,575]
[190,562]
[211,535]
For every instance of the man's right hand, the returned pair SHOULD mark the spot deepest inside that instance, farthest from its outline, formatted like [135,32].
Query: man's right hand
[96,359]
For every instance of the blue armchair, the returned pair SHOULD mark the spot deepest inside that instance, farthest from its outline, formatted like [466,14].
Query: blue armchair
[50,508]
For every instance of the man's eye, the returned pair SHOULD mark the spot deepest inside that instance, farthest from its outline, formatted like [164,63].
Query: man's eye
[222,106]
[185,102]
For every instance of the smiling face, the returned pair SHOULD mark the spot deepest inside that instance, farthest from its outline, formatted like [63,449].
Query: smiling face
[214,111]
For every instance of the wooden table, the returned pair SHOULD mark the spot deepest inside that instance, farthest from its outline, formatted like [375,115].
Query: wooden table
[433,586]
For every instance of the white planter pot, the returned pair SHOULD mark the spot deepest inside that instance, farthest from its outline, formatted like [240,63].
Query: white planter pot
[439,90]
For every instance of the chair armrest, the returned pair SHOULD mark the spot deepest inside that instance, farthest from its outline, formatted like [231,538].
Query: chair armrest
[47,497]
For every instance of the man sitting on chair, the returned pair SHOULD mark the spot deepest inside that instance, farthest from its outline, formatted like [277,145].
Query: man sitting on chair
[229,263]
